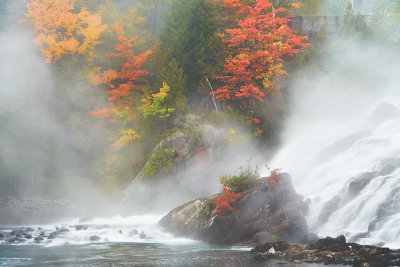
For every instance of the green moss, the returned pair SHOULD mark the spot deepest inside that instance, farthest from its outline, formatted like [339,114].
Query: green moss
[160,162]
[192,130]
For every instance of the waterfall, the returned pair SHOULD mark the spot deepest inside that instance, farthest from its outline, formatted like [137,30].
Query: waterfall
[342,145]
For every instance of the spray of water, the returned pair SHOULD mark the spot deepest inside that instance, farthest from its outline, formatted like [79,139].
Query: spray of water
[341,143]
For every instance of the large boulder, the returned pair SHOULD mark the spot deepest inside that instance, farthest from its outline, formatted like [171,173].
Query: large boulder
[263,214]
[182,151]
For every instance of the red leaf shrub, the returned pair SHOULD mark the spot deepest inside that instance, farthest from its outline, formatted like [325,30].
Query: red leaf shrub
[225,199]
[273,178]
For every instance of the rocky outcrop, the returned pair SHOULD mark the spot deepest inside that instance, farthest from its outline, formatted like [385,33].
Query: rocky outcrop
[192,144]
[329,251]
[262,214]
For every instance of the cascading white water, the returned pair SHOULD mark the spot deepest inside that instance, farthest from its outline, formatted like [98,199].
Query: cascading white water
[134,229]
[342,145]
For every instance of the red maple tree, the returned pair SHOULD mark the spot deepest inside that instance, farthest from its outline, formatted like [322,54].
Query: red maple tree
[256,49]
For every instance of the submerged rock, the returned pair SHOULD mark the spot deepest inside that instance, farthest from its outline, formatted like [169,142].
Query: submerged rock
[329,251]
[81,227]
[38,239]
[262,214]
[133,232]
[17,232]
[142,235]
[94,238]
[52,235]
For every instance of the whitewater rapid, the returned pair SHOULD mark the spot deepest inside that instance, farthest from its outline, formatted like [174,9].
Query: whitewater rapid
[349,172]
[117,229]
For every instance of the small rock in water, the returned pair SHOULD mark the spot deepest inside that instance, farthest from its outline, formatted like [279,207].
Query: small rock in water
[63,230]
[95,238]
[17,232]
[142,235]
[133,232]
[29,230]
[27,236]
[53,235]
[120,232]
[38,239]
[81,227]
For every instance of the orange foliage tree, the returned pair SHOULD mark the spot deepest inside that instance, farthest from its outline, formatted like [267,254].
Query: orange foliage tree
[61,30]
[126,84]
[255,49]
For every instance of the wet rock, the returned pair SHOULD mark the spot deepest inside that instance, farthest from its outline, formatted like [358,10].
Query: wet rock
[278,246]
[94,238]
[372,225]
[17,232]
[262,214]
[359,236]
[330,251]
[52,235]
[2,235]
[194,141]
[330,244]
[357,184]
[27,236]
[120,232]
[38,239]
[28,230]
[330,207]
[81,227]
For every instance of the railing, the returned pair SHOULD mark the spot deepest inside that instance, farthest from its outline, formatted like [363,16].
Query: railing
[313,24]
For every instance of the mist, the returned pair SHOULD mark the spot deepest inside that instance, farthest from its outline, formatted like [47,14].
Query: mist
[342,125]
[46,131]
[51,148]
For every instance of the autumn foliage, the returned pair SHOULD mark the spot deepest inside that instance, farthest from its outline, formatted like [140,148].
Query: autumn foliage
[273,178]
[61,30]
[130,77]
[256,49]
[225,199]
[125,84]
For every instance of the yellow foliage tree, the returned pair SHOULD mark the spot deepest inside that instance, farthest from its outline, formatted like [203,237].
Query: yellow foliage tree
[62,30]
[157,105]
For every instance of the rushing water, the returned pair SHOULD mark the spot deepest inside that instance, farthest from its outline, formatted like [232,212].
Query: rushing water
[132,241]
[334,137]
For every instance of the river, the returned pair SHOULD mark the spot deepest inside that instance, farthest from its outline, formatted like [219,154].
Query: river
[130,241]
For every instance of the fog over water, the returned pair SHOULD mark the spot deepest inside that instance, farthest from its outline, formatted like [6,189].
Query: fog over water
[343,123]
